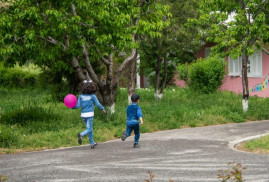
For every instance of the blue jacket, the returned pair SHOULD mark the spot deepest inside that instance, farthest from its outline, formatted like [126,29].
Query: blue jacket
[134,112]
[87,102]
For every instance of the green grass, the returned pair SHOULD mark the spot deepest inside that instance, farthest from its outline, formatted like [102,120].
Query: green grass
[260,145]
[32,120]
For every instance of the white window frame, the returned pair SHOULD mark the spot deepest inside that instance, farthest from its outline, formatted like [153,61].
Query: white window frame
[207,51]
[235,66]
[254,65]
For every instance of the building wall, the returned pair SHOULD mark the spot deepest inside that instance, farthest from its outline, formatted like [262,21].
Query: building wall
[234,83]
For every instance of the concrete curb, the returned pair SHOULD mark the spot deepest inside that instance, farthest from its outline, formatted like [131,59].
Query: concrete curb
[232,144]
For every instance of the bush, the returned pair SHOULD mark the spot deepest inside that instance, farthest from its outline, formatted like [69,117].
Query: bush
[204,75]
[12,77]
[59,83]
[183,72]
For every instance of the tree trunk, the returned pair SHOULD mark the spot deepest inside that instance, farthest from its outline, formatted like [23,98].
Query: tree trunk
[108,98]
[77,69]
[132,79]
[165,76]
[245,81]
[157,94]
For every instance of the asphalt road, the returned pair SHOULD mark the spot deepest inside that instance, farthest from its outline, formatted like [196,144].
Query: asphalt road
[182,155]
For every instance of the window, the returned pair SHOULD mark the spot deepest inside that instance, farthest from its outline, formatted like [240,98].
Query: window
[254,65]
[235,66]
[207,51]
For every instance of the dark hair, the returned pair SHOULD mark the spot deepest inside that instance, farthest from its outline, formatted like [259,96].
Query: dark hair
[89,88]
[135,97]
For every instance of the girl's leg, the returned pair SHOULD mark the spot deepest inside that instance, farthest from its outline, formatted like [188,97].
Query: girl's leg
[91,131]
[86,131]
[88,123]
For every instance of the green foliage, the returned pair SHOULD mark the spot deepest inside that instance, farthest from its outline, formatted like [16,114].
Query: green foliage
[24,115]
[58,84]
[149,71]
[8,137]
[176,44]
[53,33]
[204,75]
[182,70]
[235,117]
[246,31]
[16,78]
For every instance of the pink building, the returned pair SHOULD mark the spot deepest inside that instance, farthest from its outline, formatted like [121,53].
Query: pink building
[258,73]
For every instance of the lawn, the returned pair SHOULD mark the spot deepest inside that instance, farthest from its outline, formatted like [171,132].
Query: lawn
[260,145]
[32,120]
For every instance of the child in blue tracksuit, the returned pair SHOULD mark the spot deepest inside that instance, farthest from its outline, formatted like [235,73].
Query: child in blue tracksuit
[134,114]
[86,101]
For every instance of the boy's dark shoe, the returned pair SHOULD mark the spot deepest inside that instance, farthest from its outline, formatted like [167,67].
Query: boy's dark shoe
[123,136]
[94,145]
[79,139]
[136,145]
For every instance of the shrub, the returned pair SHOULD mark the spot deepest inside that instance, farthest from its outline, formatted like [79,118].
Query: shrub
[12,77]
[182,70]
[7,137]
[59,83]
[206,75]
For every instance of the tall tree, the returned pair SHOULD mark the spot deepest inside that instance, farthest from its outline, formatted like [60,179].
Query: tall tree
[246,31]
[132,78]
[81,37]
[176,45]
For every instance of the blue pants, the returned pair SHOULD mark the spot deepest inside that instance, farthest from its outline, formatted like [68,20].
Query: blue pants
[133,125]
[89,131]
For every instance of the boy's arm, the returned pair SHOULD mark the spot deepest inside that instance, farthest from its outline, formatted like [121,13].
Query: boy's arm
[141,120]
[140,115]
[96,101]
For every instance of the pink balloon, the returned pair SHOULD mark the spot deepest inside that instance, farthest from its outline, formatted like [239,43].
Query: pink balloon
[70,100]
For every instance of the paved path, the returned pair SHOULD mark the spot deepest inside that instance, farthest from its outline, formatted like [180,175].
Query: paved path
[183,155]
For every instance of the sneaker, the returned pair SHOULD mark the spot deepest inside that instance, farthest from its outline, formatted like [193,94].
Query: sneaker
[136,145]
[94,145]
[123,136]
[79,139]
